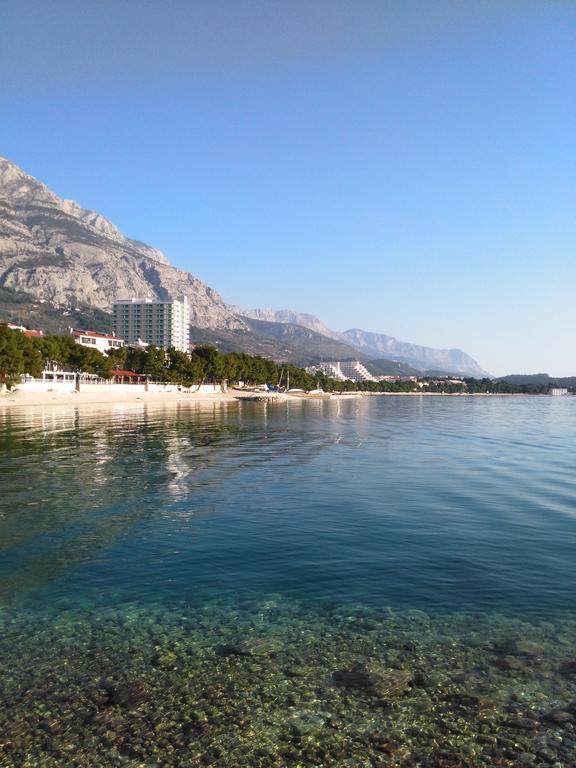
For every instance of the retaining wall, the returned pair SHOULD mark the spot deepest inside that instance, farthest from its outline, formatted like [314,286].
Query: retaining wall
[37,385]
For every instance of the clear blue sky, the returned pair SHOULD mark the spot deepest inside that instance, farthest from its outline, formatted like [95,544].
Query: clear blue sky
[403,167]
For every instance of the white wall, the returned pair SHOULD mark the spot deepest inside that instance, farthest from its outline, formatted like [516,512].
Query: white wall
[37,385]
[207,389]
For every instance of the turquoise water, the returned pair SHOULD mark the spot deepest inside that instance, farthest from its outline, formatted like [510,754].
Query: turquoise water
[382,581]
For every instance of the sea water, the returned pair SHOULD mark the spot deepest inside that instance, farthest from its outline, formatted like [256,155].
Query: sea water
[383,581]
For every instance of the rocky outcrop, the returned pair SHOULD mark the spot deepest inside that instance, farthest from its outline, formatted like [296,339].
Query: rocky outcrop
[56,251]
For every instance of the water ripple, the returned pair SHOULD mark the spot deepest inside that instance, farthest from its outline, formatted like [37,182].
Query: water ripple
[437,503]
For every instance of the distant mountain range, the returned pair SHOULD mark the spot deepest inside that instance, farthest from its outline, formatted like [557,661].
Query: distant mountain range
[377,345]
[62,265]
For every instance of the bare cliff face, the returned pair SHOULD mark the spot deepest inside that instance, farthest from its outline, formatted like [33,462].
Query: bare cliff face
[54,250]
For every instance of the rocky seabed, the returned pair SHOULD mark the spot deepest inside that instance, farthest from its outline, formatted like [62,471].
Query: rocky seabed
[274,683]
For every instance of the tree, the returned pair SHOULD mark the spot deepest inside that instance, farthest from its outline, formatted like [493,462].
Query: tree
[12,364]
[118,357]
[135,359]
[213,362]
[155,364]
[33,361]
[180,368]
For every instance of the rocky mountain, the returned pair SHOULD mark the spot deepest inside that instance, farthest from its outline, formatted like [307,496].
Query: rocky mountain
[55,251]
[377,345]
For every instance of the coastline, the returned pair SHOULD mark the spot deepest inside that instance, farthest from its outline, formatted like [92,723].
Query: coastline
[11,400]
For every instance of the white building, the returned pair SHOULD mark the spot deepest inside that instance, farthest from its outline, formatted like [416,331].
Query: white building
[103,342]
[332,370]
[351,370]
[163,323]
[559,391]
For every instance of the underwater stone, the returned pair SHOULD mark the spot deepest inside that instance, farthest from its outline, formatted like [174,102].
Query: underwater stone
[296,671]
[568,669]
[374,681]
[523,723]
[525,758]
[524,648]
[128,694]
[166,660]
[512,663]
[560,716]
[254,646]
[304,723]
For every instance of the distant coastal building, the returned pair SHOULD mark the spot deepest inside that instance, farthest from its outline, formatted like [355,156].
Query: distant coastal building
[332,370]
[349,370]
[559,391]
[103,342]
[163,323]
[396,378]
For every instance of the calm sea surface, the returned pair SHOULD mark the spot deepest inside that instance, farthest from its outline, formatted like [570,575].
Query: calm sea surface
[162,566]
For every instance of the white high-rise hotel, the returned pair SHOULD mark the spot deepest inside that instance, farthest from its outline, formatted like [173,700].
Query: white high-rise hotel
[163,323]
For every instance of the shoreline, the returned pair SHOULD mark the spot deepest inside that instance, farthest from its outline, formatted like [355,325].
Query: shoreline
[13,400]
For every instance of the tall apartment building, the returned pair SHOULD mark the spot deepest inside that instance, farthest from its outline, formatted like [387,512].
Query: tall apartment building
[163,323]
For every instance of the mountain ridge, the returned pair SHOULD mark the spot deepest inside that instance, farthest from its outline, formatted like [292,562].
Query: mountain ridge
[377,345]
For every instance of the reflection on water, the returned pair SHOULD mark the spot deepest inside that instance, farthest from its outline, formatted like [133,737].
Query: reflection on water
[75,480]
[379,582]
[444,504]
